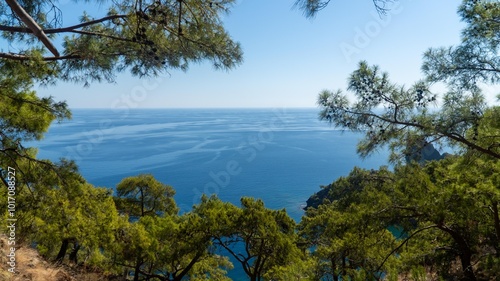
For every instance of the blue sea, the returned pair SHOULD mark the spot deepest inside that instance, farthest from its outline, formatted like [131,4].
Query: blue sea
[280,155]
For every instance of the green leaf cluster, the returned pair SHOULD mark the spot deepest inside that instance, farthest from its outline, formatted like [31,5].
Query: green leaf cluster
[408,119]
[437,217]
[147,37]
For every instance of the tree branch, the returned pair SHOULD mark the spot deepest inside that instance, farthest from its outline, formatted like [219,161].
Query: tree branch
[101,35]
[452,136]
[18,57]
[32,25]
[402,244]
[189,266]
[63,29]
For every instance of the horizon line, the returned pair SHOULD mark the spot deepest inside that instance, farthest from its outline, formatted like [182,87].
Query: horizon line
[270,107]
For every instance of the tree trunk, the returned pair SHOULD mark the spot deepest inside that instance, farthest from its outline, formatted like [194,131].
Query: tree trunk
[62,250]
[496,221]
[465,253]
[343,269]
[334,270]
[73,256]
[137,269]
[466,260]
[186,270]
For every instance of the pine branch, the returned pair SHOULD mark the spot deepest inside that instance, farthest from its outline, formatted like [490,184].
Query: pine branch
[72,28]
[32,25]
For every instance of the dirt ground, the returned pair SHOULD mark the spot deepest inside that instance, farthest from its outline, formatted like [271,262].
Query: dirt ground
[30,266]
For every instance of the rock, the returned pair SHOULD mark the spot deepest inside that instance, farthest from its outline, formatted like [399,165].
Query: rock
[425,153]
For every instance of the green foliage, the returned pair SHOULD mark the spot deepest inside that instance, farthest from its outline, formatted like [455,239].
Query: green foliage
[347,232]
[261,240]
[445,211]
[421,219]
[172,247]
[268,236]
[440,213]
[392,115]
[147,37]
[143,195]
[43,209]
[300,269]
[168,246]
[56,208]
[347,186]
[214,268]
[476,59]
[311,7]
[402,117]
[23,117]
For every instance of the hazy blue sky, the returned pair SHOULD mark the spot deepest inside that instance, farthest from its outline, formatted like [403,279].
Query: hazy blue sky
[288,58]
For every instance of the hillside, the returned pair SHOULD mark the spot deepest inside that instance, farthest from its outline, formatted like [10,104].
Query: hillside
[30,266]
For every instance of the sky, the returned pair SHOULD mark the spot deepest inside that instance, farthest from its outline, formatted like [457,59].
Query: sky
[288,58]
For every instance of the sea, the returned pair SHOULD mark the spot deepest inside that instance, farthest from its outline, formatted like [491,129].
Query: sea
[280,155]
